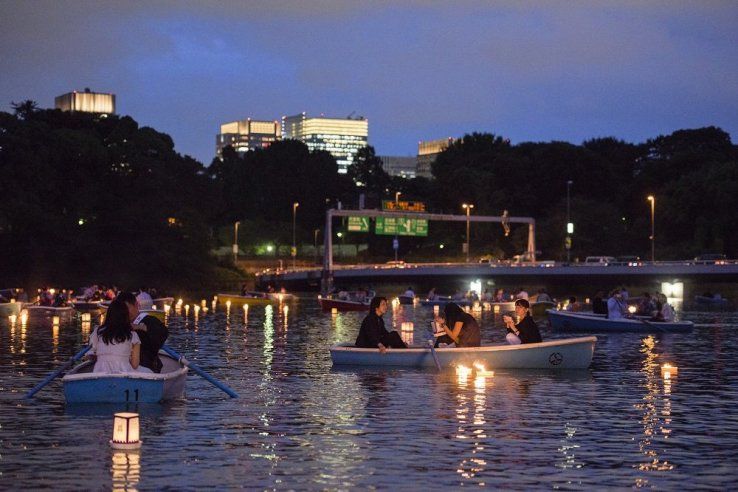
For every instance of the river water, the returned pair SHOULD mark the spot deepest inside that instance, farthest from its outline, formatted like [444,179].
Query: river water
[299,424]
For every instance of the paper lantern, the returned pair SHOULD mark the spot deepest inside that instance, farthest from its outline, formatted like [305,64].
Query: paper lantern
[667,371]
[334,310]
[497,308]
[436,309]
[228,304]
[13,318]
[55,320]
[167,308]
[203,303]
[86,317]
[24,316]
[126,431]
[187,309]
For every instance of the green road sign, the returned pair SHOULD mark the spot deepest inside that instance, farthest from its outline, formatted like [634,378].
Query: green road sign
[401,226]
[358,224]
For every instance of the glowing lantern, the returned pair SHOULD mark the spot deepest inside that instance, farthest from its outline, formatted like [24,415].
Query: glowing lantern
[632,309]
[197,310]
[213,304]
[187,309]
[497,308]
[245,309]
[667,371]
[436,309]
[462,373]
[334,310]
[228,304]
[204,310]
[203,303]
[407,326]
[86,317]
[24,316]
[482,372]
[167,308]
[215,298]
[12,301]
[13,318]
[286,308]
[126,431]
[55,321]
[179,302]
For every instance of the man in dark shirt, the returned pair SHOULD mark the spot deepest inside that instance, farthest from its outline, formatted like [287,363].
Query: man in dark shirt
[526,331]
[152,332]
[373,334]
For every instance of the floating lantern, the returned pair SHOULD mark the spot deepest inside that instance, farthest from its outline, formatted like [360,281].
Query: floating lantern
[281,298]
[55,321]
[86,317]
[204,310]
[586,301]
[187,309]
[167,308]
[215,298]
[667,371]
[436,309]
[632,309]
[213,304]
[228,304]
[482,372]
[179,302]
[245,309]
[407,326]
[286,308]
[487,306]
[462,373]
[12,301]
[203,303]
[13,318]
[197,310]
[477,306]
[126,431]
[24,316]
[497,308]
[334,310]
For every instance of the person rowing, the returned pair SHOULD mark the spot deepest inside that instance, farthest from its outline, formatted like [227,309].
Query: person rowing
[526,331]
[373,334]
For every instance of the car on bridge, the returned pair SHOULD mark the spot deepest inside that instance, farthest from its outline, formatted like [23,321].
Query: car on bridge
[711,259]
[600,260]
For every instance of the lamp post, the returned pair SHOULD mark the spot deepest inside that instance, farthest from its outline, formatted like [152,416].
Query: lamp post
[569,225]
[652,199]
[396,243]
[235,241]
[315,243]
[467,207]
[294,235]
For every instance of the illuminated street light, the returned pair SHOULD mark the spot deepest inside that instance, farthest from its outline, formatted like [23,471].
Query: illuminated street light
[652,199]
[235,241]
[569,223]
[396,243]
[468,208]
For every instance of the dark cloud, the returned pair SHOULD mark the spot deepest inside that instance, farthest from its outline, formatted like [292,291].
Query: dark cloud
[417,70]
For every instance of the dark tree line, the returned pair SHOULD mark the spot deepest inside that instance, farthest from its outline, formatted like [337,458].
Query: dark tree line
[88,198]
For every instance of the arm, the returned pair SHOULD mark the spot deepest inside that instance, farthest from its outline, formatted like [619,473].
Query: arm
[454,334]
[136,356]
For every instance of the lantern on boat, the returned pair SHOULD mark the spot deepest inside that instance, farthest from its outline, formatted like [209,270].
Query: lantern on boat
[55,321]
[86,317]
[245,309]
[667,371]
[632,309]
[197,310]
[125,431]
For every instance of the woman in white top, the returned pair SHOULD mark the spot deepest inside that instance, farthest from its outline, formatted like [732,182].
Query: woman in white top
[116,345]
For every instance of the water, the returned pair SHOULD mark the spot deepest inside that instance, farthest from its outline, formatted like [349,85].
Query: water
[299,424]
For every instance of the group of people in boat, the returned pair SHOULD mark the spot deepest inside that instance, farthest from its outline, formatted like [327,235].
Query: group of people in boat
[128,340]
[456,327]
[499,295]
[654,306]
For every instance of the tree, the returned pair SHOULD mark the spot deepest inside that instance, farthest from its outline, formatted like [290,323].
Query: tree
[367,172]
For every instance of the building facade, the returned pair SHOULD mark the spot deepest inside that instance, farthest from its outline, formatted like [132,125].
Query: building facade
[405,167]
[427,153]
[341,137]
[248,134]
[86,102]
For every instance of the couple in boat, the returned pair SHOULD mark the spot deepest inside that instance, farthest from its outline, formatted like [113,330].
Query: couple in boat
[460,328]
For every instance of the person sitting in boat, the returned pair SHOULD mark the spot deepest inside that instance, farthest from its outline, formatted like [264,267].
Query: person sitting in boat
[526,331]
[522,294]
[616,307]
[373,334]
[116,346]
[573,305]
[599,306]
[144,299]
[432,296]
[487,296]
[646,305]
[543,296]
[500,295]
[409,292]
[664,311]
[461,328]
[151,331]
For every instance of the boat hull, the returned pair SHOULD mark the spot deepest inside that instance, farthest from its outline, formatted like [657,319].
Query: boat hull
[574,353]
[86,306]
[10,308]
[81,386]
[540,308]
[406,300]
[237,300]
[566,321]
[48,312]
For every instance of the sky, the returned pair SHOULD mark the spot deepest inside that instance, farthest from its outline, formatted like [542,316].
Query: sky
[417,70]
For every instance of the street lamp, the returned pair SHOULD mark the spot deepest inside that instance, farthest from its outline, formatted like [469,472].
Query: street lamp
[652,199]
[569,225]
[235,241]
[467,207]
[396,242]
[294,241]
[315,243]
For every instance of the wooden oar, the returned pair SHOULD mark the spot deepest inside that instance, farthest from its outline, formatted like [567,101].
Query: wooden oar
[201,373]
[56,373]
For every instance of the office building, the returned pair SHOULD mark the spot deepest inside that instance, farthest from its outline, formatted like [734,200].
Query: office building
[86,102]
[427,153]
[405,167]
[245,135]
[342,137]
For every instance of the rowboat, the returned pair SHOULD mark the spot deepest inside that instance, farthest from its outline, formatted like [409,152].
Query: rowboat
[571,353]
[85,306]
[252,299]
[9,308]
[442,301]
[81,385]
[540,308]
[46,312]
[571,321]
[347,302]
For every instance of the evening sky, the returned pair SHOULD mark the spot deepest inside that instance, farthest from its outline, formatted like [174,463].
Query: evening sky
[418,70]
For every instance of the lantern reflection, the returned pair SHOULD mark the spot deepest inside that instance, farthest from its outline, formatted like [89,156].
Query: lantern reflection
[125,470]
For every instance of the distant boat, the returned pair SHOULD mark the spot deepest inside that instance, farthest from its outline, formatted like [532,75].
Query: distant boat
[36,312]
[443,300]
[10,308]
[538,309]
[572,353]
[81,385]
[587,322]
[251,298]
[348,302]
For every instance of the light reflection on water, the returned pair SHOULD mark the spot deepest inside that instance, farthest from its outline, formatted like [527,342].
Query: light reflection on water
[301,424]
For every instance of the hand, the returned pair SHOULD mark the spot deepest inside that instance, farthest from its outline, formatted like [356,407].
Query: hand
[382,348]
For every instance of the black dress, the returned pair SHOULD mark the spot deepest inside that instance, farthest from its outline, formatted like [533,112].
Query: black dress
[151,341]
[470,334]
[373,332]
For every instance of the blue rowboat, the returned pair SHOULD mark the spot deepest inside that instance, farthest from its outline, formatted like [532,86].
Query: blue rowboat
[571,321]
[81,385]
[571,353]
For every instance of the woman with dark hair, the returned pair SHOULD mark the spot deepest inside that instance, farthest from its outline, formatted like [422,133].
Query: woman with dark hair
[461,328]
[526,331]
[115,344]
[372,333]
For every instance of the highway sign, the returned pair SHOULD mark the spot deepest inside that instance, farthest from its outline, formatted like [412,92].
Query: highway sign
[358,224]
[401,226]
[403,206]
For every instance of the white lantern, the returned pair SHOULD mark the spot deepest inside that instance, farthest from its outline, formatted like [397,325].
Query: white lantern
[55,321]
[187,309]
[126,431]
[334,310]
[436,309]
[13,318]
[86,317]
[167,308]
[228,304]
[24,316]
[203,303]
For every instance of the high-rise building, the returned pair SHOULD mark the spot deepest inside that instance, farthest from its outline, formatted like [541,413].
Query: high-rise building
[86,102]
[245,135]
[341,137]
[405,167]
[427,153]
